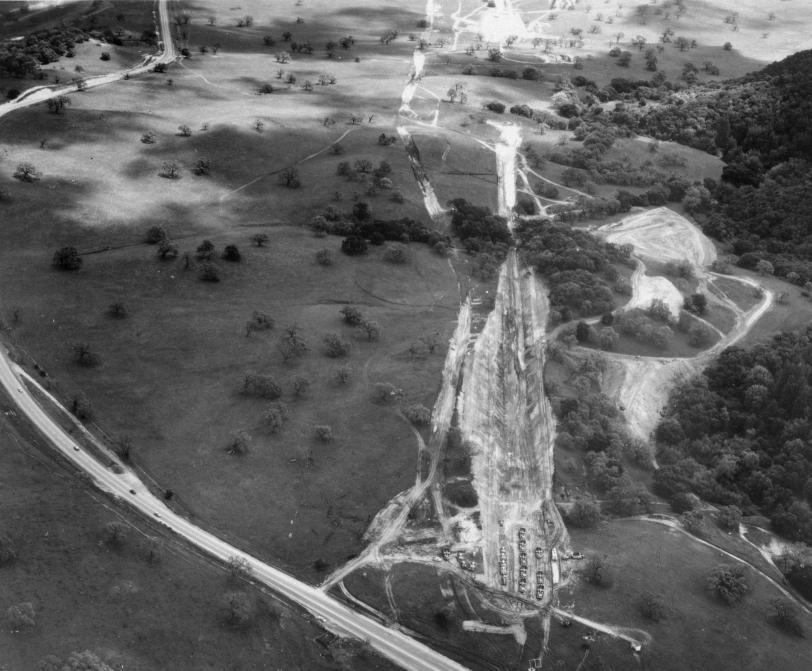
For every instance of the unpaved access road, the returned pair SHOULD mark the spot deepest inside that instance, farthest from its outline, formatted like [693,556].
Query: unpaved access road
[39,94]
[643,384]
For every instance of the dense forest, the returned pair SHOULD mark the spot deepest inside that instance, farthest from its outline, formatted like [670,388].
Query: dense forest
[740,433]
[579,267]
[761,125]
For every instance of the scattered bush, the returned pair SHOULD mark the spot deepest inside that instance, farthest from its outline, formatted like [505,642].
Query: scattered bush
[8,551]
[385,393]
[342,374]
[240,444]
[370,330]
[201,167]
[155,234]
[597,572]
[395,255]
[418,414]
[324,433]
[351,315]
[652,606]
[21,615]
[209,273]
[27,172]
[261,386]
[728,583]
[354,245]
[231,253]
[301,386]
[785,615]
[335,346]
[324,257]
[275,416]
[67,258]
[259,322]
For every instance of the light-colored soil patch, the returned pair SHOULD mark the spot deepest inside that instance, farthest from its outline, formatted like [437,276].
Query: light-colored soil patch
[663,235]
[656,288]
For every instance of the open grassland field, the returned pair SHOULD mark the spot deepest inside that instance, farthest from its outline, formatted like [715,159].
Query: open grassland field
[698,631]
[170,377]
[435,605]
[667,157]
[459,167]
[170,374]
[133,614]
[116,175]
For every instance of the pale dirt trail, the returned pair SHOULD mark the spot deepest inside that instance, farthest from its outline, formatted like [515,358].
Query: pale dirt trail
[673,524]
[636,637]
[304,159]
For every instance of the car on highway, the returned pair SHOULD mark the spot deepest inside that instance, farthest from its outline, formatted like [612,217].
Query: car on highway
[522,533]
[577,555]
[539,592]
[539,552]
[20,389]
[522,544]
[76,448]
[540,577]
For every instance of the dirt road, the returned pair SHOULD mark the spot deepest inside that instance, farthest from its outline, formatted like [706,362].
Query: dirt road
[641,384]
[39,94]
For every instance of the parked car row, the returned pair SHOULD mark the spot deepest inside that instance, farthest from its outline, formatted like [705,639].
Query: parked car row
[503,565]
[522,560]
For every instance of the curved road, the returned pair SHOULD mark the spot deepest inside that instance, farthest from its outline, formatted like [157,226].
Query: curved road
[126,487]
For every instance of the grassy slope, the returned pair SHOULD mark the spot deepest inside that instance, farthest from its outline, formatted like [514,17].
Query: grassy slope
[139,616]
[706,633]
[170,373]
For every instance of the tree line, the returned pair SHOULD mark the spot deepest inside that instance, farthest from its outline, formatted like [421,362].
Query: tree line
[739,434]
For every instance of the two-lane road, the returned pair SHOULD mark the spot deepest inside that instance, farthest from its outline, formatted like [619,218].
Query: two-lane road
[127,487]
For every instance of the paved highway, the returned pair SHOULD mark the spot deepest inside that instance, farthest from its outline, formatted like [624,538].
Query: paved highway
[129,489]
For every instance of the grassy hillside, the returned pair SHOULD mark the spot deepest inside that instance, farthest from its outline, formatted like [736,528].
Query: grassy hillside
[111,600]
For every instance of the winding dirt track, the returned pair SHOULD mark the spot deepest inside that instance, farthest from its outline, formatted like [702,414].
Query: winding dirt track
[642,384]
